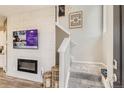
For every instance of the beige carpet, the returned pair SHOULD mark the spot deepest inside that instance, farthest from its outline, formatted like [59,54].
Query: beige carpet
[12,82]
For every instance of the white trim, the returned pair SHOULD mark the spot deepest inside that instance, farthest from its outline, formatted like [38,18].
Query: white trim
[89,62]
[67,79]
[64,50]
[64,45]
[62,28]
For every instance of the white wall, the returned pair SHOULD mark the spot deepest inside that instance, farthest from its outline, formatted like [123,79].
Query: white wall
[43,20]
[108,41]
[88,38]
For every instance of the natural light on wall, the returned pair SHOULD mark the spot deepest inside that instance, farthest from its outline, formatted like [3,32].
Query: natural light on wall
[3,20]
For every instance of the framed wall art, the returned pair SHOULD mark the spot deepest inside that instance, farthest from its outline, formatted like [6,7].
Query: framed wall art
[75,19]
[25,39]
[61,11]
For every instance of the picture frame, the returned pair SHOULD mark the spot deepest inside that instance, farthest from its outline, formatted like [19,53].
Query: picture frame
[75,19]
[25,39]
[1,49]
[61,11]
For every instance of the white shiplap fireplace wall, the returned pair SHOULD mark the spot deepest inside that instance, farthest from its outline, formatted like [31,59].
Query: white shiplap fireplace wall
[43,20]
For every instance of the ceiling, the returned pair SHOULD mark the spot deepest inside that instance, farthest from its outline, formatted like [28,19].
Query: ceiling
[6,10]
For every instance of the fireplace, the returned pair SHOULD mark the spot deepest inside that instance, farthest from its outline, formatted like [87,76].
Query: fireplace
[27,65]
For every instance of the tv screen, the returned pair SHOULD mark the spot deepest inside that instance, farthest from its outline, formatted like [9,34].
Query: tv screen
[25,39]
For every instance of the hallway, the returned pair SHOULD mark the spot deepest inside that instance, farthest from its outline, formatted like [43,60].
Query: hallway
[85,76]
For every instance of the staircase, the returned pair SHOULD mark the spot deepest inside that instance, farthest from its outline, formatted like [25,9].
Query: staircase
[83,75]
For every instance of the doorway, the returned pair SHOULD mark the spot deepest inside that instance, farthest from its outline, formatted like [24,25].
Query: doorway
[3,43]
[118,45]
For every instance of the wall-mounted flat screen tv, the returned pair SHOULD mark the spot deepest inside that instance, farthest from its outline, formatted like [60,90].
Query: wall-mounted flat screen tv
[25,39]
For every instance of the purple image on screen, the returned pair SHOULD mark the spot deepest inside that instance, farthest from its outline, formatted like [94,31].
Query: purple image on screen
[32,37]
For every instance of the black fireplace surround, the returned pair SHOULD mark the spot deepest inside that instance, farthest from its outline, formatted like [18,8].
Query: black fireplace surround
[27,65]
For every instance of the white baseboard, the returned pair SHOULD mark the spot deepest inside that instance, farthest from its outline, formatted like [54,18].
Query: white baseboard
[89,62]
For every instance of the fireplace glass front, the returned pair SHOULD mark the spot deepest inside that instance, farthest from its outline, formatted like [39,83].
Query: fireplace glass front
[27,65]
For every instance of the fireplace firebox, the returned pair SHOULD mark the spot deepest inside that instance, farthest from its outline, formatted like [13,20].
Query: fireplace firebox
[27,65]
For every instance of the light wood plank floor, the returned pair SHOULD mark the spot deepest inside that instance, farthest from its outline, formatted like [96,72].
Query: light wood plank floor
[12,82]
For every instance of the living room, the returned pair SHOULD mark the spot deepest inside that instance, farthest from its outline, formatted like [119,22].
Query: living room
[34,39]
[20,19]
